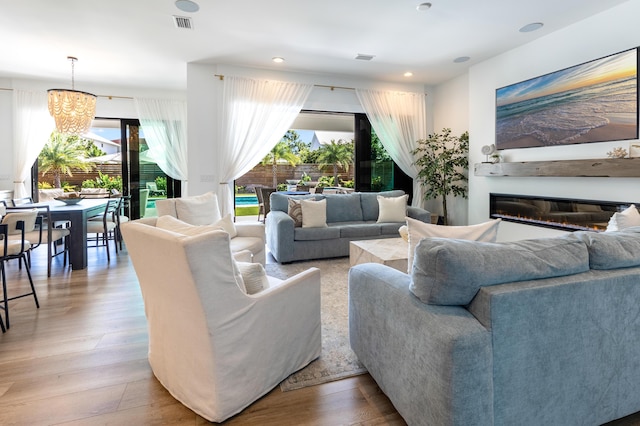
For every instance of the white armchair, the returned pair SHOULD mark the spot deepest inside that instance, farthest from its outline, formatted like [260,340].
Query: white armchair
[214,347]
[204,210]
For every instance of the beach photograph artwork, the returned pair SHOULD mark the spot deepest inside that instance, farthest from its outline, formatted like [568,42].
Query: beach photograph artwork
[593,102]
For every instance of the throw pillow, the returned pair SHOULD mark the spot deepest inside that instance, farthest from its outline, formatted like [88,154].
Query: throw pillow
[295,211]
[314,213]
[624,219]
[198,210]
[227,225]
[392,209]
[486,231]
[254,277]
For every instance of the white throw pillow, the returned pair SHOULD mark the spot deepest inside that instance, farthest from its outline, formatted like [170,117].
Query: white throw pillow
[314,213]
[625,219]
[254,277]
[226,223]
[392,209]
[170,223]
[486,231]
[198,210]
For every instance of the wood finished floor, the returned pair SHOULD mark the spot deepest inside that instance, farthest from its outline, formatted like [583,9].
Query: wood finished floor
[81,359]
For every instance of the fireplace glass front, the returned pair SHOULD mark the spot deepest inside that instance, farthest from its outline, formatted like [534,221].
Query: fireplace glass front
[558,213]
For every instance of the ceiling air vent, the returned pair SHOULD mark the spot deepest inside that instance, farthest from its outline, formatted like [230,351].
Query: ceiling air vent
[364,57]
[183,22]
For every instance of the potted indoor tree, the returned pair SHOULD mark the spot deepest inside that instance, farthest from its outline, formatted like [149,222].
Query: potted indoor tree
[443,160]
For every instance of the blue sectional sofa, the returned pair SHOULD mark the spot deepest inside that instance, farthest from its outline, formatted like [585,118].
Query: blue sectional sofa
[349,217]
[535,332]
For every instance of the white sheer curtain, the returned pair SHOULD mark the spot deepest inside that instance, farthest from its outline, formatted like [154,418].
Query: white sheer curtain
[399,119]
[255,114]
[164,123]
[32,126]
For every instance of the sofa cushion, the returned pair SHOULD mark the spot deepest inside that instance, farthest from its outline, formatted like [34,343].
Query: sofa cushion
[280,201]
[451,271]
[227,225]
[173,224]
[624,219]
[369,202]
[313,234]
[252,244]
[390,228]
[486,231]
[612,250]
[358,230]
[314,213]
[343,208]
[392,209]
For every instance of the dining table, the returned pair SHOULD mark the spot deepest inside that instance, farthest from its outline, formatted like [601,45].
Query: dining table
[77,214]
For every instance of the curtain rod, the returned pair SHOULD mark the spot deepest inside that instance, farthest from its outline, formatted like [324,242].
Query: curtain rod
[221,77]
[99,96]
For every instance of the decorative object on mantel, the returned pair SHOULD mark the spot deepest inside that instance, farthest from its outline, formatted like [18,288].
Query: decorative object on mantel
[488,150]
[443,162]
[617,152]
[72,110]
[600,167]
[634,150]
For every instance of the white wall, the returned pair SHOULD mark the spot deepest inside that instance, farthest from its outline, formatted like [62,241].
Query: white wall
[204,86]
[113,102]
[451,110]
[610,32]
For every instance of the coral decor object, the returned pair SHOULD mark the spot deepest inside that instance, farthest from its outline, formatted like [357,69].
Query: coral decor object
[618,152]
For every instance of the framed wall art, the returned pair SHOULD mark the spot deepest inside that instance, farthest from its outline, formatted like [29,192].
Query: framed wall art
[592,102]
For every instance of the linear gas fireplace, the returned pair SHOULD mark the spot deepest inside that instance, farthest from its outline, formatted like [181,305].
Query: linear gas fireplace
[557,213]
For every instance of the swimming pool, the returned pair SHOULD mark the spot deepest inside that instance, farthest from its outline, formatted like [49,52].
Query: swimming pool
[246,200]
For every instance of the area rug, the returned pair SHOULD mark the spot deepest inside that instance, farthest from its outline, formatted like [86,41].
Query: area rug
[337,360]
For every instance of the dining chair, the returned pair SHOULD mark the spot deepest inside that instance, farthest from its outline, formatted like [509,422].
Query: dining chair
[260,201]
[266,200]
[119,216]
[20,201]
[104,227]
[11,249]
[43,233]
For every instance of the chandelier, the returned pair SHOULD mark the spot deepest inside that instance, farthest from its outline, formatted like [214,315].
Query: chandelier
[72,110]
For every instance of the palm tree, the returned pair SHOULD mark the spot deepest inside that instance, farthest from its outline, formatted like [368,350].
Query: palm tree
[336,154]
[282,151]
[60,155]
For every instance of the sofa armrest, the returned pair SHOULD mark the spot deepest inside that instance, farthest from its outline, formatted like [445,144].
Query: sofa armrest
[419,214]
[280,234]
[249,229]
[433,362]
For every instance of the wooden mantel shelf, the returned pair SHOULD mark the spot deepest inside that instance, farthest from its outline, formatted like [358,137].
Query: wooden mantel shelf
[601,167]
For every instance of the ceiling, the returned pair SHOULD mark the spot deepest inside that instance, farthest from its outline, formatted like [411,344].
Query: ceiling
[135,43]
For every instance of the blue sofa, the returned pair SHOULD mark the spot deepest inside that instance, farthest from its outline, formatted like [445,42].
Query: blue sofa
[535,332]
[349,217]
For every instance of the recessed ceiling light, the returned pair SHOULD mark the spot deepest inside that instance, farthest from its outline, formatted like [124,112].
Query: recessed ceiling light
[531,27]
[277,59]
[423,6]
[461,59]
[408,74]
[187,6]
